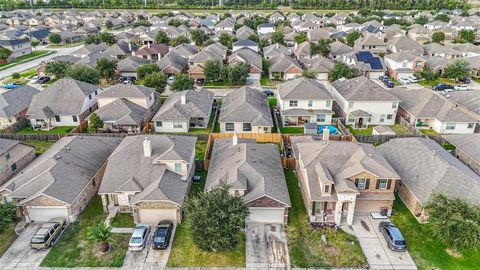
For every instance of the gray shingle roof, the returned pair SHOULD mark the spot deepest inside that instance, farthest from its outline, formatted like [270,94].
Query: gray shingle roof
[64,170]
[467,143]
[426,168]
[122,112]
[362,89]
[246,105]
[127,91]
[248,166]
[16,100]
[303,88]
[131,63]
[6,144]
[198,104]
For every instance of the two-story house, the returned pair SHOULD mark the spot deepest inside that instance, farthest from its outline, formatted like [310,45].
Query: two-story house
[304,101]
[403,64]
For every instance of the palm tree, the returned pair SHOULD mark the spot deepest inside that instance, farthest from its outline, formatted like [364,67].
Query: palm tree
[100,234]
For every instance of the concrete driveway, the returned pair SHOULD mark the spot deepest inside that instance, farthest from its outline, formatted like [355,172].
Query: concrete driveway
[149,258]
[375,247]
[20,255]
[266,246]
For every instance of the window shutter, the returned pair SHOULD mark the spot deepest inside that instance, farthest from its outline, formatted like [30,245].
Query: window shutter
[389,183]
[356,182]
[367,183]
[377,186]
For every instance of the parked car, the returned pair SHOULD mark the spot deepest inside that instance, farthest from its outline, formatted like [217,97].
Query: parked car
[34,79]
[48,233]
[121,79]
[161,237]
[170,79]
[393,236]
[383,78]
[403,81]
[442,86]
[466,80]
[412,79]
[200,81]
[462,87]
[11,85]
[268,92]
[43,79]
[138,241]
[389,84]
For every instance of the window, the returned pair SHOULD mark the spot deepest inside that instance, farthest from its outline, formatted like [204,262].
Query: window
[96,92]
[265,129]
[350,104]
[7,155]
[328,103]
[14,167]
[382,183]
[177,124]
[310,103]
[57,118]
[327,189]
[321,117]
[90,96]
[389,116]
[247,127]
[362,183]
[450,126]
[382,118]
[8,199]
[293,103]
[394,105]
[178,167]
[350,118]
[471,125]
[130,196]
[229,126]
[159,123]
[74,118]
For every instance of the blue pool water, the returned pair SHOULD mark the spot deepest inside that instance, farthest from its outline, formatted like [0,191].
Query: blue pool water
[333,130]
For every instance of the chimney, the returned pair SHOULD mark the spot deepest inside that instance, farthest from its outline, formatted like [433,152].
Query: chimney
[326,134]
[183,98]
[234,139]
[147,147]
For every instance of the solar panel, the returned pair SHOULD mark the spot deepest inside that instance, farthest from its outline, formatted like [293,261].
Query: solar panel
[369,58]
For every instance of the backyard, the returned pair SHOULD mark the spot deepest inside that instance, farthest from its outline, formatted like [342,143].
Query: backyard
[304,243]
[72,250]
[363,131]
[55,130]
[200,148]
[40,146]
[426,250]
[186,254]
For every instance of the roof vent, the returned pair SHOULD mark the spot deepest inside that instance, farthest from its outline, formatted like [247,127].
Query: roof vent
[58,157]
[253,160]
[68,148]
[183,178]
[370,155]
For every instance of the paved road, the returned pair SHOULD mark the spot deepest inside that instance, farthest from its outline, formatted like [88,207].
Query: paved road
[34,63]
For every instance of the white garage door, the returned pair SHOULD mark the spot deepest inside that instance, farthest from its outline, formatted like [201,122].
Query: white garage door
[266,215]
[153,216]
[254,76]
[41,214]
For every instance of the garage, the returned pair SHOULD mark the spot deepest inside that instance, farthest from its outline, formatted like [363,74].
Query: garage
[266,215]
[43,214]
[153,216]
[254,76]
[363,207]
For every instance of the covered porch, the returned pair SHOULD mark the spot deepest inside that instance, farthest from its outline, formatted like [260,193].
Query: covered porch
[198,122]
[360,119]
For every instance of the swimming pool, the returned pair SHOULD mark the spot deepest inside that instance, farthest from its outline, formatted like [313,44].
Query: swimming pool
[333,130]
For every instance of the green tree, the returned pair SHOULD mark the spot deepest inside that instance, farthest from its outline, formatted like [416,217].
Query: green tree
[179,40]
[94,123]
[422,20]
[34,43]
[93,39]
[101,234]
[157,80]
[57,68]
[278,37]
[454,221]
[438,37]
[262,43]
[108,38]
[427,74]
[198,36]
[5,53]
[147,69]
[84,73]
[458,70]
[109,24]
[254,37]
[216,219]
[175,22]
[182,82]
[141,23]
[161,38]
[351,37]
[341,70]
[465,36]
[213,70]
[226,40]
[442,17]
[15,75]
[310,74]
[265,65]
[237,74]
[106,68]
[7,215]
[54,38]
[300,38]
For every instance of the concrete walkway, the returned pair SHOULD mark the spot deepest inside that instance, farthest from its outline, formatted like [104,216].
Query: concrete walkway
[266,247]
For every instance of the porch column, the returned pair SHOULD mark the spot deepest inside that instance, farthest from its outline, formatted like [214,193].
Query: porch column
[104,202]
[338,212]
[351,208]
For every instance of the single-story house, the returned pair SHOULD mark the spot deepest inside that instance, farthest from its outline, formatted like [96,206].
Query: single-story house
[14,156]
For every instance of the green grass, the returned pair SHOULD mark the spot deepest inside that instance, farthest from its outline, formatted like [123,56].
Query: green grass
[72,250]
[448,147]
[426,250]
[304,243]
[40,146]
[265,81]
[272,101]
[434,82]
[184,252]
[399,130]
[428,131]
[122,220]
[26,58]
[66,45]
[7,237]
[291,130]
[363,131]
[23,77]
[200,148]
[55,130]
[221,84]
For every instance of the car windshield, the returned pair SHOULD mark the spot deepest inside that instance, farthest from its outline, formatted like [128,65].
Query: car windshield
[161,232]
[136,240]
[399,242]
[38,240]
[160,239]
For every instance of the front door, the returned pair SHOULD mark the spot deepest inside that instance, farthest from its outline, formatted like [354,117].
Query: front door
[360,122]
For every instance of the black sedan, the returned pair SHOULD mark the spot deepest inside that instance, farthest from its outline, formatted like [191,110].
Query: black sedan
[161,237]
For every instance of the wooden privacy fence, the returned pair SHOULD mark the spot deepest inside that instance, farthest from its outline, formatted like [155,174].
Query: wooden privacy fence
[16,126]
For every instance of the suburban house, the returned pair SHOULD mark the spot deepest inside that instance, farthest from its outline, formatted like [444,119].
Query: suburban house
[245,43]
[245,110]
[14,156]
[172,63]
[426,109]
[370,43]
[284,67]
[340,179]
[67,102]
[304,101]
[265,28]
[121,49]
[250,57]
[149,177]
[467,149]
[363,102]
[426,168]
[253,172]
[367,63]
[184,110]
[320,65]
[152,51]
[128,66]
[403,64]
[14,104]
[62,181]
[17,45]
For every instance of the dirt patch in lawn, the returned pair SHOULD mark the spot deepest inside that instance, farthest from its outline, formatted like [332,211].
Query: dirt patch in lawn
[453,253]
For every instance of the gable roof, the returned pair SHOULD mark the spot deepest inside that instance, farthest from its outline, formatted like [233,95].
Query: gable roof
[127,91]
[121,112]
[303,88]
[362,89]
[14,101]
[198,104]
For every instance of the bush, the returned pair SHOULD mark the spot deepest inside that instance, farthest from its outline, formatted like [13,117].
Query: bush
[15,75]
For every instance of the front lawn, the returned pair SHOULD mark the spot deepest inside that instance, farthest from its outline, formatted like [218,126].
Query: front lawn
[7,237]
[304,243]
[72,250]
[426,250]
[55,130]
[265,81]
[363,131]
[40,146]
[122,220]
[184,252]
